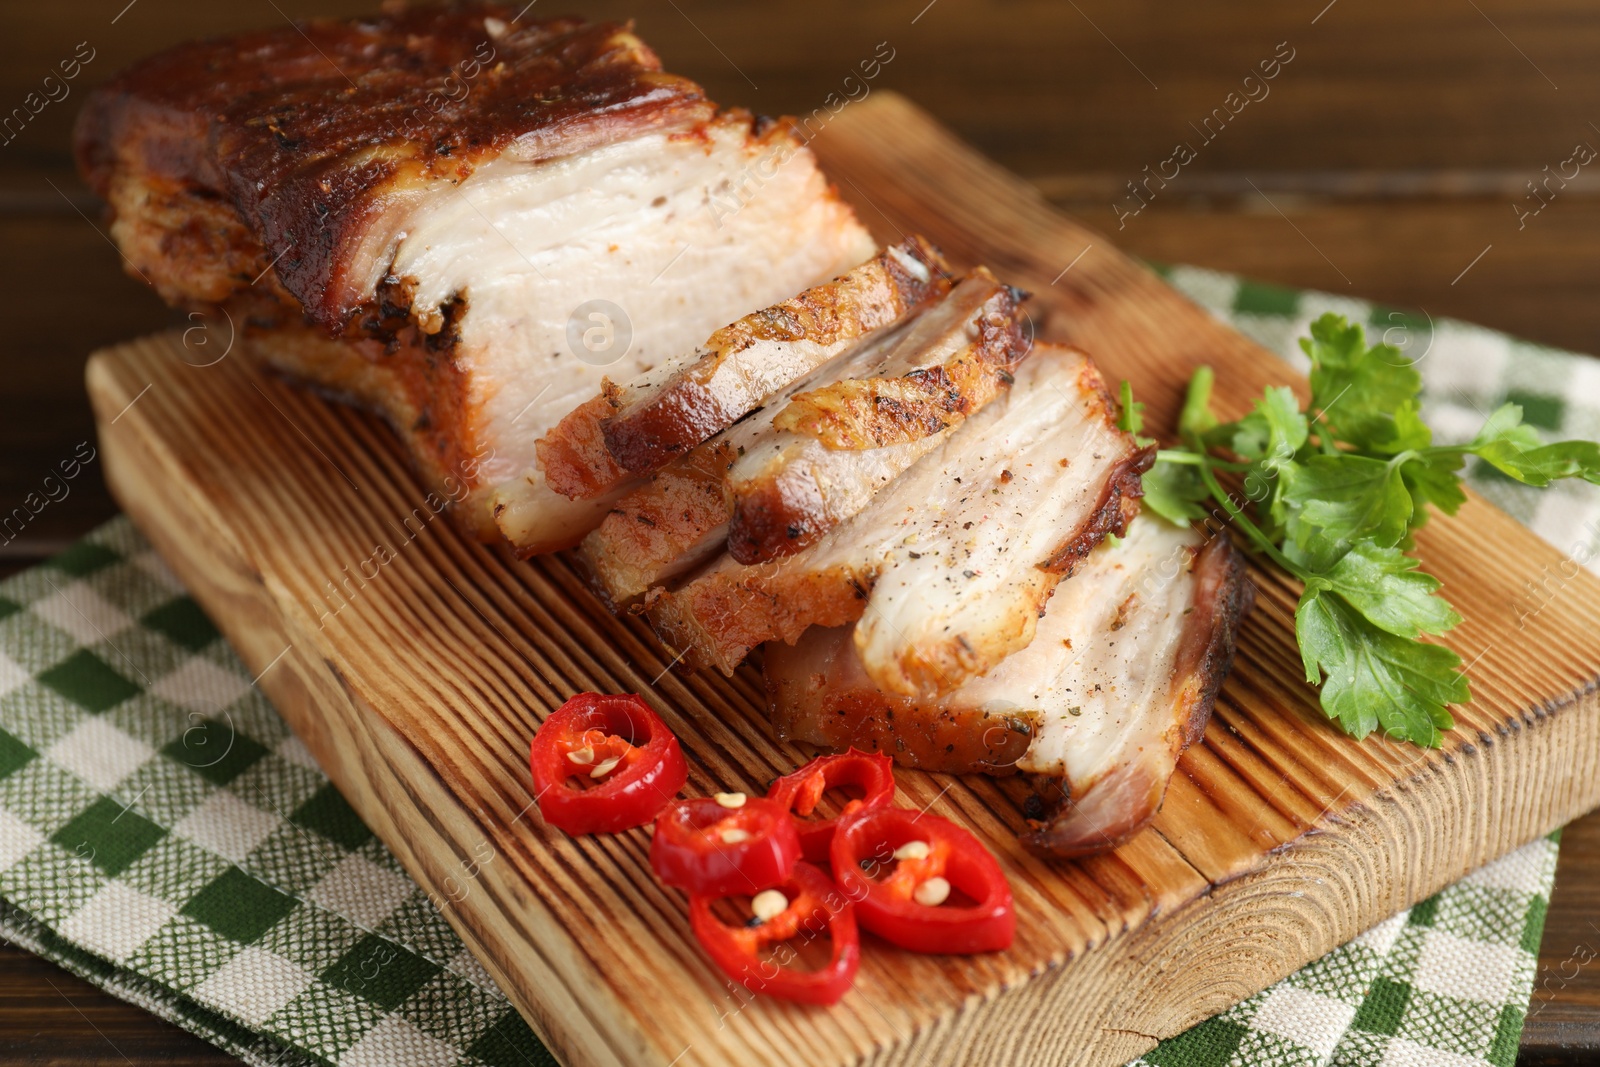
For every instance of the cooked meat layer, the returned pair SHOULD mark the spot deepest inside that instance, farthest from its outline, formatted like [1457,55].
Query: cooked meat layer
[755,487]
[840,440]
[535,198]
[314,131]
[668,412]
[311,132]
[685,401]
[1119,678]
[952,561]
[662,529]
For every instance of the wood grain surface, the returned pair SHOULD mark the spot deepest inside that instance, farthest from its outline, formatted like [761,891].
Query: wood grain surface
[1279,839]
[1393,148]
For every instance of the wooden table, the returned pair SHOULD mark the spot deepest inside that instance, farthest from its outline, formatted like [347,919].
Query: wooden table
[1389,160]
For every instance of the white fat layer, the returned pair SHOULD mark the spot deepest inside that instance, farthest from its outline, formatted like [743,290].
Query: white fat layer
[931,338]
[652,225]
[847,478]
[775,364]
[765,366]
[531,515]
[1100,694]
[767,361]
[910,264]
[633,223]
[963,533]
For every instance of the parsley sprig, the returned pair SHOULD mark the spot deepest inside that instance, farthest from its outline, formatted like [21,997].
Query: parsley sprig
[1332,494]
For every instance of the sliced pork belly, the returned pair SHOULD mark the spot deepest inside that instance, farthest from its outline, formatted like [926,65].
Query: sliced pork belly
[968,343]
[466,190]
[666,413]
[685,401]
[1119,678]
[952,562]
[835,443]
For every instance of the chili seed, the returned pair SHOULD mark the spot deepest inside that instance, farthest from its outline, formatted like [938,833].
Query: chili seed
[734,836]
[605,768]
[769,904]
[582,756]
[932,893]
[913,850]
[730,800]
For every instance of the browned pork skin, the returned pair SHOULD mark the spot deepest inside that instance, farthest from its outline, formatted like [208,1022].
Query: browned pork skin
[1119,679]
[414,209]
[952,562]
[676,407]
[665,414]
[797,486]
[836,444]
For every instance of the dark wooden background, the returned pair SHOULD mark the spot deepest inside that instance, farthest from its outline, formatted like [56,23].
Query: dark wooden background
[1389,155]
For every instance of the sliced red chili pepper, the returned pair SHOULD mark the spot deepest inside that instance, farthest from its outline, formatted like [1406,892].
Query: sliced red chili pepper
[871,772]
[756,954]
[932,860]
[705,846]
[603,763]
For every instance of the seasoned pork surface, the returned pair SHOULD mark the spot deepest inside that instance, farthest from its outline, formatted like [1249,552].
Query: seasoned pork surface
[1119,678]
[836,438]
[670,411]
[950,565]
[510,210]
[769,491]
[638,426]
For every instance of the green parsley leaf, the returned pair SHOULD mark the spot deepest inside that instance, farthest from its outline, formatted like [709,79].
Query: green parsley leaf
[1132,418]
[1371,678]
[1274,431]
[1355,389]
[1433,478]
[1401,431]
[1515,449]
[1336,500]
[1271,436]
[1174,491]
[1385,585]
[1506,425]
[1541,466]
[1196,417]
[1332,495]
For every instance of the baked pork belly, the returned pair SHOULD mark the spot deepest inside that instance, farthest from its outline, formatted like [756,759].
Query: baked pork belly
[949,566]
[666,413]
[677,406]
[464,219]
[776,490]
[839,438]
[1119,679]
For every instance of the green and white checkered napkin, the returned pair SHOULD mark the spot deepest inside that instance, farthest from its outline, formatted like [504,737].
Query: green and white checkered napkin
[164,835]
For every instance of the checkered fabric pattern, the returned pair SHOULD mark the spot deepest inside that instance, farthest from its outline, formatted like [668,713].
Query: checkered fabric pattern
[163,835]
[1443,984]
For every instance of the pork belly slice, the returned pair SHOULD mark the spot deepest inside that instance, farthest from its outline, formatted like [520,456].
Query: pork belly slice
[1119,679]
[756,486]
[461,187]
[667,413]
[686,401]
[836,443]
[949,566]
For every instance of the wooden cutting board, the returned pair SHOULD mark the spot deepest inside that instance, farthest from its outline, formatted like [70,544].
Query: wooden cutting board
[416,665]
